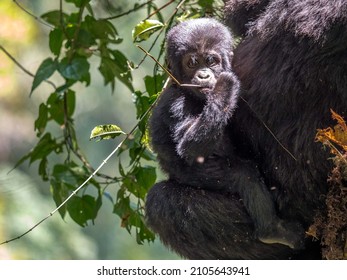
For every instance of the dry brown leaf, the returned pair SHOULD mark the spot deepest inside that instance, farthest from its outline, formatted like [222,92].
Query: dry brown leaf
[336,135]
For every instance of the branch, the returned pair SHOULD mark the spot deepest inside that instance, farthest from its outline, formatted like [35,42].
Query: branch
[71,195]
[128,12]
[89,178]
[167,71]
[170,18]
[22,67]
[269,130]
[32,15]
[162,7]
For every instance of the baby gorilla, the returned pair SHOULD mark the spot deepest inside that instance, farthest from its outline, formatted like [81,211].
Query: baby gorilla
[188,127]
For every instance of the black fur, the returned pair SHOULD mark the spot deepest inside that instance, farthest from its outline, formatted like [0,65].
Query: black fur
[239,14]
[189,129]
[292,64]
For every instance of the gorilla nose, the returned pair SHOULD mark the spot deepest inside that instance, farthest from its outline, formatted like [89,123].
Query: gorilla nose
[203,75]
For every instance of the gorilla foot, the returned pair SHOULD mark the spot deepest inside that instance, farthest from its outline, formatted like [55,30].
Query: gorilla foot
[288,234]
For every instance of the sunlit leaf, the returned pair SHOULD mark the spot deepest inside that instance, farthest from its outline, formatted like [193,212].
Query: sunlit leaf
[106,131]
[145,29]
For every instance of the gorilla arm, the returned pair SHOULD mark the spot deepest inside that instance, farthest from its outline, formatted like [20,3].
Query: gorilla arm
[197,135]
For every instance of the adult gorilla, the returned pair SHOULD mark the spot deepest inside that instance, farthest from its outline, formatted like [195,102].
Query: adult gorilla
[292,63]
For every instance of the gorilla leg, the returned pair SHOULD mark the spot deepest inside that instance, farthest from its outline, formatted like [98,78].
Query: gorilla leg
[202,224]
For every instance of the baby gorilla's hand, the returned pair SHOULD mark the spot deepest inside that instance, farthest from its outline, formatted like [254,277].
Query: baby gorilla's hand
[225,94]
[226,82]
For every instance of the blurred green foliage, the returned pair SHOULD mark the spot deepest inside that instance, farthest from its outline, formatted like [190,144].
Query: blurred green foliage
[82,40]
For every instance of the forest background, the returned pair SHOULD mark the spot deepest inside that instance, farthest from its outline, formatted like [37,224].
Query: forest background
[66,67]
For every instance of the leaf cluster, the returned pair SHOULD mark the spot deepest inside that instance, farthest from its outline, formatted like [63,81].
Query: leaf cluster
[75,38]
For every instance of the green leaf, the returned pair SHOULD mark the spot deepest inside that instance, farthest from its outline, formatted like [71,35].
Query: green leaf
[63,183]
[82,209]
[65,179]
[123,210]
[117,66]
[154,84]
[85,39]
[103,30]
[107,69]
[121,169]
[55,17]
[141,102]
[139,180]
[55,105]
[123,73]
[60,191]
[106,131]
[70,174]
[145,177]
[43,169]
[207,4]
[56,38]
[45,147]
[145,29]
[45,70]
[77,69]
[71,102]
[65,86]
[41,121]
[131,217]
[143,233]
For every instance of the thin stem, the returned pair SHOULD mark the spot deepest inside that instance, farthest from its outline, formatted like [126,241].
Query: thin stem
[90,177]
[128,12]
[22,67]
[167,71]
[161,8]
[32,15]
[170,18]
[268,129]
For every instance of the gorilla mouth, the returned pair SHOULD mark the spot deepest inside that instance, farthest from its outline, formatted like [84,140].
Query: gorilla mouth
[204,89]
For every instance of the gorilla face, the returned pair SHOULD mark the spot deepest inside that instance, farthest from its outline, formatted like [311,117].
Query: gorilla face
[202,69]
[198,51]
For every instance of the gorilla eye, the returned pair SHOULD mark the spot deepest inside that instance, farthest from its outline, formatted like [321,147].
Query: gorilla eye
[192,62]
[212,60]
